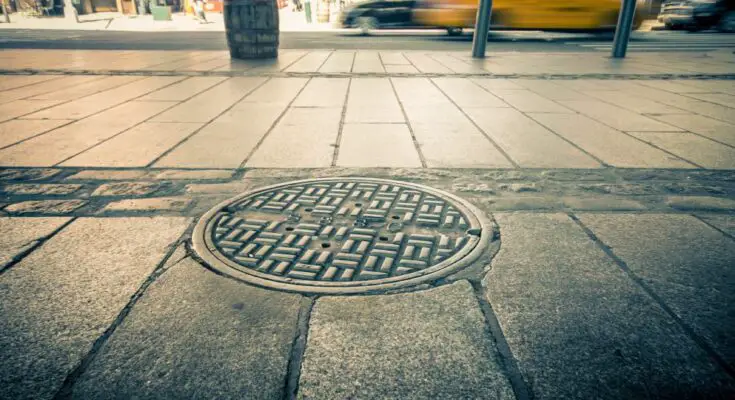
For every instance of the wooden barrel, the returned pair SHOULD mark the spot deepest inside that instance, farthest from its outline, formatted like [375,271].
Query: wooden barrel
[252,28]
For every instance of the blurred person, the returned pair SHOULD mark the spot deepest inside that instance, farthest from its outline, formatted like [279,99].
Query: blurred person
[307,10]
[199,11]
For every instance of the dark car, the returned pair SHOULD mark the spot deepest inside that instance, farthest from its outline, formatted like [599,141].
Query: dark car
[376,14]
[695,15]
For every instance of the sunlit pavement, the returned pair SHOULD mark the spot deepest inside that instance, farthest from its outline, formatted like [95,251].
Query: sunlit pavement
[608,189]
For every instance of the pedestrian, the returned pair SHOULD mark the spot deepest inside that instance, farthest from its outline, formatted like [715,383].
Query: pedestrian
[199,10]
[307,10]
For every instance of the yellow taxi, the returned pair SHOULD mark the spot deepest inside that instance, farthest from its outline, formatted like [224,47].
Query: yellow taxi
[568,15]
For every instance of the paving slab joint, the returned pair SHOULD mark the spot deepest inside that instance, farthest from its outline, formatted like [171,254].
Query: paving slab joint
[507,361]
[66,390]
[298,348]
[704,221]
[38,243]
[688,330]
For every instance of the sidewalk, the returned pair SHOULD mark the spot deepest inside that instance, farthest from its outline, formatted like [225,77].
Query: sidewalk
[599,196]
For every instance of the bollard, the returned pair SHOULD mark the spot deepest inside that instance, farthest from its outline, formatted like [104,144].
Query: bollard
[622,31]
[482,26]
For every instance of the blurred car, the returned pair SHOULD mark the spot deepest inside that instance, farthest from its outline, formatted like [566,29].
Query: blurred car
[697,15]
[569,15]
[376,14]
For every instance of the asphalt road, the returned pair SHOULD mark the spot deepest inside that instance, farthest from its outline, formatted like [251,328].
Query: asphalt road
[383,40]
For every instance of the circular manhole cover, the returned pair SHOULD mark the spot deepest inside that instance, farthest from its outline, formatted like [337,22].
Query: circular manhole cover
[341,235]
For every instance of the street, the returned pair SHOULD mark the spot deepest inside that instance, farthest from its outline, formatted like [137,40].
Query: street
[366,217]
[381,40]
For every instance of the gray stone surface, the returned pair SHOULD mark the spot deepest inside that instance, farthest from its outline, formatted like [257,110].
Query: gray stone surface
[108,175]
[151,204]
[204,174]
[228,187]
[20,234]
[126,189]
[700,203]
[580,328]
[45,206]
[57,301]
[41,189]
[27,174]
[197,335]
[686,262]
[725,223]
[428,344]
[693,148]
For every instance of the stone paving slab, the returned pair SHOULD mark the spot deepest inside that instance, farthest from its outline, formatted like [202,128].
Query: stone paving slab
[580,328]
[14,131]
[455,122]
[725,223]
[61,298]
[60,144]
[20,235]
[700,151]
[428,344]
[213,338]
[97,102]
[690,268]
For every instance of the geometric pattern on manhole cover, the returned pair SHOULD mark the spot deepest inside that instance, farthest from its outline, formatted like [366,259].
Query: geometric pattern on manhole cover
[339,235]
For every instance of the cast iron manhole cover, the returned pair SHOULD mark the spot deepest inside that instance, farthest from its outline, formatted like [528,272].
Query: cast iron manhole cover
[341,235]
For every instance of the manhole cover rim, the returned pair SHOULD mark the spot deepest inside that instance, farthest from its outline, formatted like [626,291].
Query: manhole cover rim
[476,219]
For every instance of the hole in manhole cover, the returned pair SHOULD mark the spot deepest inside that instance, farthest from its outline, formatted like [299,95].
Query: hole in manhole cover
[339,236]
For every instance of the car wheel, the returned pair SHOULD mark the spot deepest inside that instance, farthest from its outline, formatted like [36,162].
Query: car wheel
[367,24]
[727,23]
[454,31]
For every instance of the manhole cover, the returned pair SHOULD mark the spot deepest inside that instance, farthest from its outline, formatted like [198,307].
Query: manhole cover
[340,235]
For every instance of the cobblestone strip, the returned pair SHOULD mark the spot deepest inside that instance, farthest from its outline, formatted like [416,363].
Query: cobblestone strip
[687,328]
[282,74]
[119,192]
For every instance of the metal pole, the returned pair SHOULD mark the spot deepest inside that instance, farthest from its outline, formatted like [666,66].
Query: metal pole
[482,26]
[622,31]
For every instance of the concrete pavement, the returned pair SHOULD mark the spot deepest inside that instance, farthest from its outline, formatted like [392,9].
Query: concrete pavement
[610,185]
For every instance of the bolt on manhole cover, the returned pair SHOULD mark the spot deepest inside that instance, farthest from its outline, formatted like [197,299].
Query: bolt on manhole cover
[341,235]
